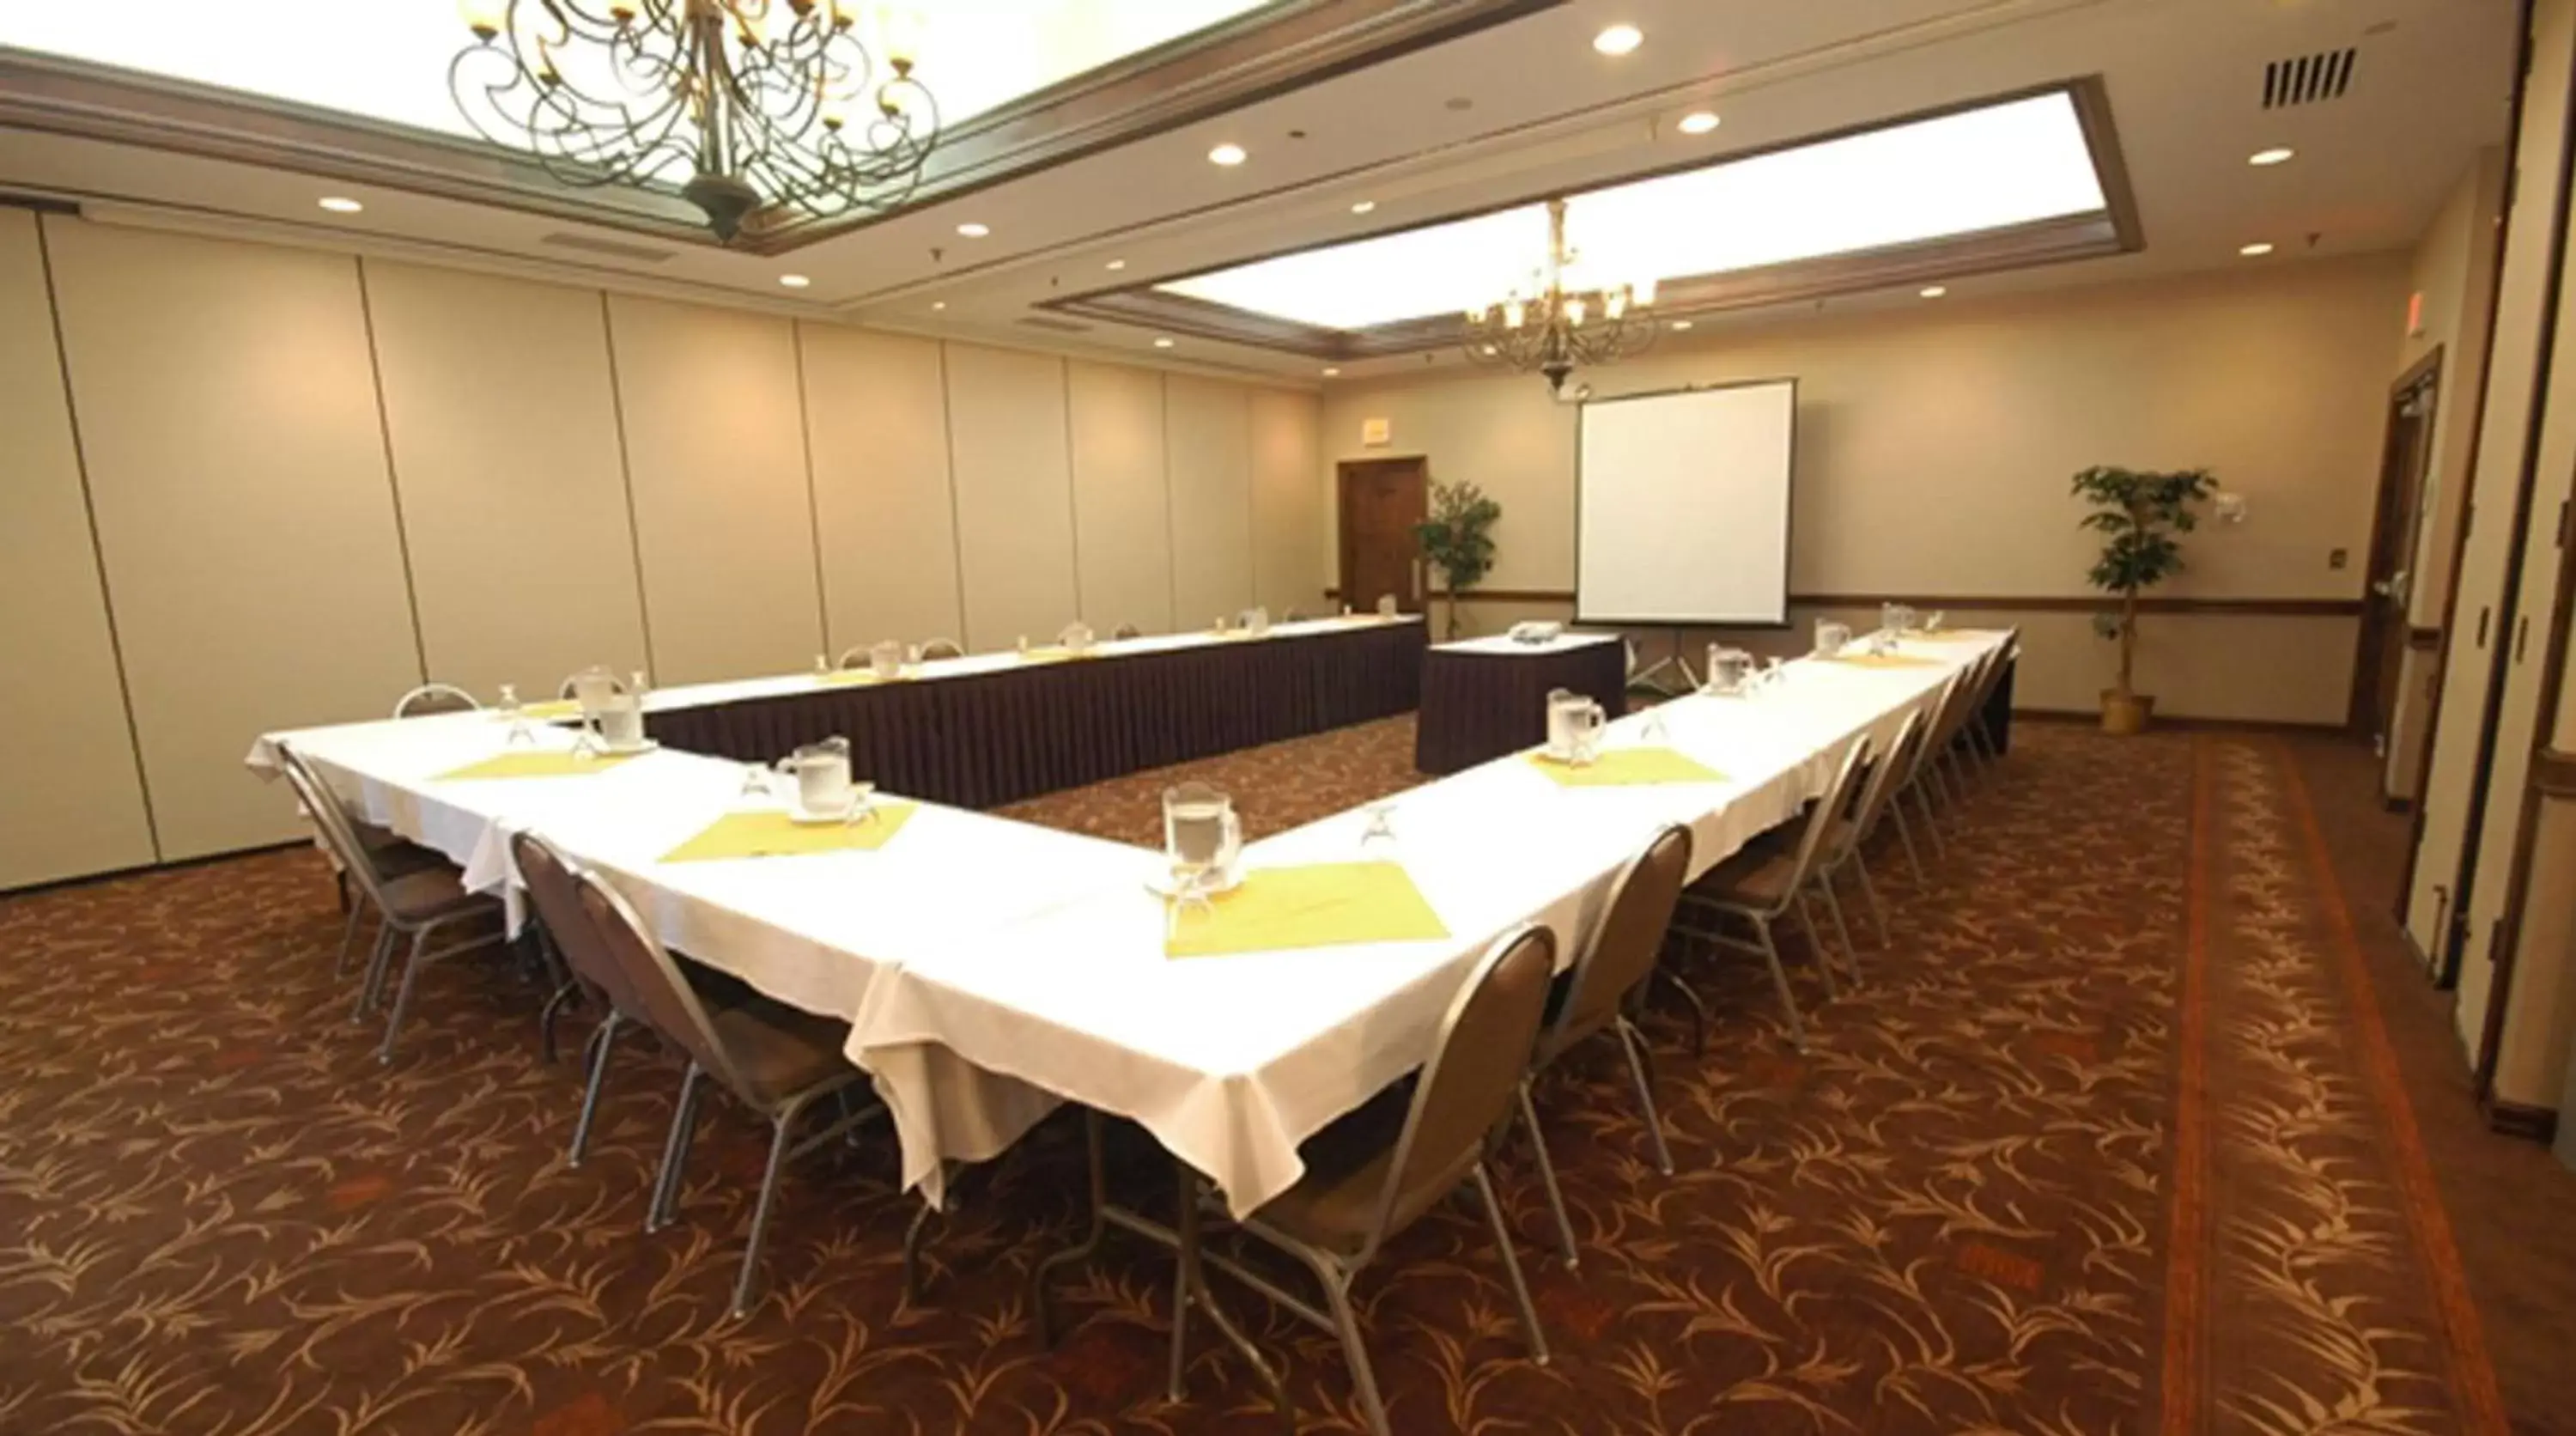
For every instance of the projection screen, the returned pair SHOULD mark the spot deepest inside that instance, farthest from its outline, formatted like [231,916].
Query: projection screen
[1682,506]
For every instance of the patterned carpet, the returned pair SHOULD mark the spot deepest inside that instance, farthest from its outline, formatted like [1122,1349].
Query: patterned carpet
[2111,1141]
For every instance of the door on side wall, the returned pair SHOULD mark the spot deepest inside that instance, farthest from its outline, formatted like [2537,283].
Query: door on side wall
[2380,666]
[1381,501]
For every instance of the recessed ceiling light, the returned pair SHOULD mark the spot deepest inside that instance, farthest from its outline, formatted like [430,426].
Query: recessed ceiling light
[1227,155]
[1935,291]
[1699,122]
[2256,250]
[341,204]
[972,230]
[1163,343]
[1618,39]
[2273,156]
[1681,324]
[794,281]
[939,304]
[1332,373]
[1364,206]
[1115,264]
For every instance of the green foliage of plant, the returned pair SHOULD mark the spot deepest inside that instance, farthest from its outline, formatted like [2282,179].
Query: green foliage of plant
[2140,513]
[1458,538]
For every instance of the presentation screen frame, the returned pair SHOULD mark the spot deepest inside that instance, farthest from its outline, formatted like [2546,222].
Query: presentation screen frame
[1788,521]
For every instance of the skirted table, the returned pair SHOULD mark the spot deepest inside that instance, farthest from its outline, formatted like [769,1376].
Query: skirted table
[1015,729]
[1488,696]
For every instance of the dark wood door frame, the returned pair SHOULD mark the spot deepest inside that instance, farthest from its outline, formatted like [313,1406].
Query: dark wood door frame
[1347,475]
[2397,521]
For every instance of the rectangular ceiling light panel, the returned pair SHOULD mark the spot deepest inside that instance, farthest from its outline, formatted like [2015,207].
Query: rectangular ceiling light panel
[1976,170]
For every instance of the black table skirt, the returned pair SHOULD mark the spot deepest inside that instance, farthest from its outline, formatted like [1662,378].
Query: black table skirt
[1480,706]
[1999,704]
[982,740]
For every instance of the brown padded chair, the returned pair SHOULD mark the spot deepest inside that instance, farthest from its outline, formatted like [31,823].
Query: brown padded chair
[564,692]
[1605,983]
[939,648]
[1852,828]
[554,892]
[1767,878]
[774,1059]
[1128,630]
[1351,1201]
[419,904]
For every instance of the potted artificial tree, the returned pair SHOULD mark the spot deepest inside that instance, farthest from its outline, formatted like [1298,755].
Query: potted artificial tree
[2139,513]
[1458,538]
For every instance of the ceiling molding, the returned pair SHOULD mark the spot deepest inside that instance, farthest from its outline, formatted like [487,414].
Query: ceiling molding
[1280,47]
[2115,229]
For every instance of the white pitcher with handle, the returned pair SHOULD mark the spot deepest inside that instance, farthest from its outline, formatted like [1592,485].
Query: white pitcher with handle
[822,770]
[1574,725]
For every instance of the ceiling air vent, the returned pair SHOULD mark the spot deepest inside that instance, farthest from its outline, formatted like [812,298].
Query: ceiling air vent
[1054,325]
[636,252]
[2307,79]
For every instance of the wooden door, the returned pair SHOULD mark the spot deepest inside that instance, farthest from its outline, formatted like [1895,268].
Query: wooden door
[1382,500]
[2405,457]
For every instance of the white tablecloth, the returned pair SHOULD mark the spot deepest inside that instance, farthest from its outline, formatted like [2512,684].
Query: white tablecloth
[1232,1061]
[1505,645]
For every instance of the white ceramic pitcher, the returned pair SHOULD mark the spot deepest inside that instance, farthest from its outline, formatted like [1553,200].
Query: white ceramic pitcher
[822,770]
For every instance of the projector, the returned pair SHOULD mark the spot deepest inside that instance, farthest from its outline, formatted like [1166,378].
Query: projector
[1537,632]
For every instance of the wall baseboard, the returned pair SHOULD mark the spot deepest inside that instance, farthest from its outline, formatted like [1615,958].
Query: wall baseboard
[170,866]
[2190,725]
[2514,1119]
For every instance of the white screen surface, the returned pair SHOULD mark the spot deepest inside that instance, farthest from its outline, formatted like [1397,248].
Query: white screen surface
[1682,509]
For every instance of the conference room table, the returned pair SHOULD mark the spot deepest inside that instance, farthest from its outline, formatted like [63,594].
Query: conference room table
[1484,697]
[994,728]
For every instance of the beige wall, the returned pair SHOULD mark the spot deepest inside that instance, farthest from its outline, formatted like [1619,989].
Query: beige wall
[502,423]
[314,479]
[69,783]
[2454,270]
[2512,389]
[226,399]
[1935,443]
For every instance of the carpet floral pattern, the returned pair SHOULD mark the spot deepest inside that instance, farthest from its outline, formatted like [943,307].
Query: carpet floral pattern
[1961,1211]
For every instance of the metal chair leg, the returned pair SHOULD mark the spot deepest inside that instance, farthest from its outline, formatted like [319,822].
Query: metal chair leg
[599,1044]
[564,996]
[1834,906]
[675,1153]
[1698,1008]
[377,957]
[1547,1178]
[1780,981]
[1643,1075]
[1337,1298]
[348,939]
[1931,820]
[1511,1269]
[402,997]
[1869,889]
[1816,943]
[1905,834]
[780,1125]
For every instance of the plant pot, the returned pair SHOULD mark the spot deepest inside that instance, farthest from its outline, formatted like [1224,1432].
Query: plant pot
[2126,714]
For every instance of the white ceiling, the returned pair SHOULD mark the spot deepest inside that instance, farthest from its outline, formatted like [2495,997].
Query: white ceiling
[1543,113]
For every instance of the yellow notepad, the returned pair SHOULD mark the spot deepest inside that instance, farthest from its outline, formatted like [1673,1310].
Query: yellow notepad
[1628,767]
[549,711]
[852,678]
[1883,660]
[770,833]
[1318,905]
[548,764]
[1055,654]
[1950,635]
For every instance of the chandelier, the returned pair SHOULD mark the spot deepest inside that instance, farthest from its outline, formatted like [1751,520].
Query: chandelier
[761,103]
[1553,330]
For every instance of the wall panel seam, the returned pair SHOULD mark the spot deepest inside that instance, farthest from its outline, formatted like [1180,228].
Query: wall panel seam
[97,547]
[956,524]
[813,503]
[626,477]
[1171,529]
[393,479]
[1072,491]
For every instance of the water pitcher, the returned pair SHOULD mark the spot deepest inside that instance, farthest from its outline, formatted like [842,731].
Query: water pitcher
[1201,834]
[822,777]
[1574,725]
